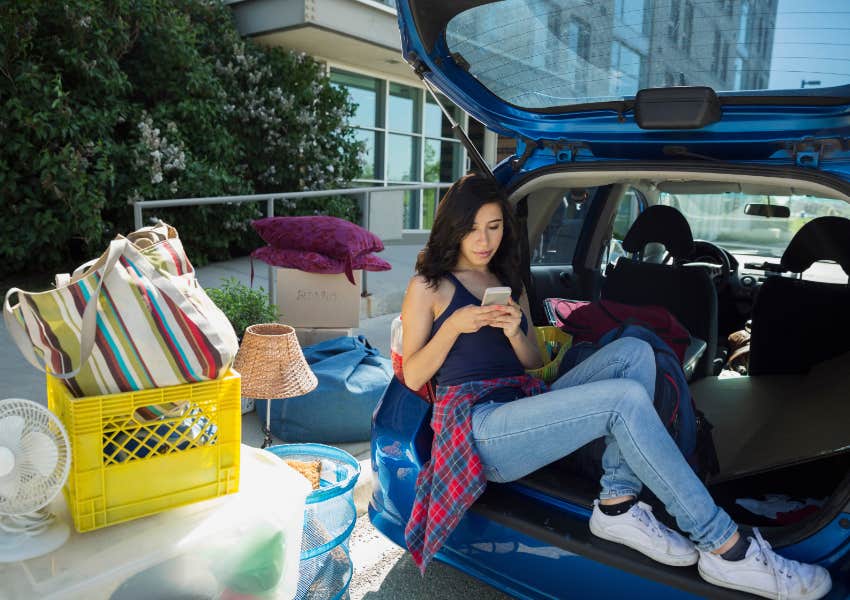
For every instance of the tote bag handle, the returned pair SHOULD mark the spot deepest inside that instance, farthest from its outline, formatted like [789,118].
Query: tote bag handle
[89,323]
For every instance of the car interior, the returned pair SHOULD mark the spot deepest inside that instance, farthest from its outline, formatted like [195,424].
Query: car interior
[724,255]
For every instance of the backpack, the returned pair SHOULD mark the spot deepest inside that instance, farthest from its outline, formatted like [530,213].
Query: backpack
[589,321]
[673,401]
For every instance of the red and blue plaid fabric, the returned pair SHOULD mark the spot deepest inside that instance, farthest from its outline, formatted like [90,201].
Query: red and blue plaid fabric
[454,477]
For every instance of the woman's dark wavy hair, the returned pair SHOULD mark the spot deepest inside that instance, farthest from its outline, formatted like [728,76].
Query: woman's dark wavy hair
[454,220]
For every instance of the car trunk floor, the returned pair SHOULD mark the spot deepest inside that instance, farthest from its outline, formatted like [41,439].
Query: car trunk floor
[766,422]
[783,435]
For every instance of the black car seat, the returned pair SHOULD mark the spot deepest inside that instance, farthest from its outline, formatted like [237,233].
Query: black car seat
[687,292]
[797,323]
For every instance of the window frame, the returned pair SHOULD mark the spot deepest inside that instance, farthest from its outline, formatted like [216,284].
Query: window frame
[383,132]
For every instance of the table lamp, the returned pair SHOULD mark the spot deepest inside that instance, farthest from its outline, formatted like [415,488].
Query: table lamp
[272,366]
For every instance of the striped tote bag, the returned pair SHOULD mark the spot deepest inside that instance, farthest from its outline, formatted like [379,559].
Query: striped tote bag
[135,318]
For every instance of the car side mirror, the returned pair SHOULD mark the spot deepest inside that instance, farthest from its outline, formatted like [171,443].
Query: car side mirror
[774,211]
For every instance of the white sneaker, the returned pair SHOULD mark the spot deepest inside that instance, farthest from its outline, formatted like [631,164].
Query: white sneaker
[765,573]
[640,530]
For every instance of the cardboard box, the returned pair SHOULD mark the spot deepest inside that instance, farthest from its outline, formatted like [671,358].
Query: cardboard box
[307,336]
[312,300]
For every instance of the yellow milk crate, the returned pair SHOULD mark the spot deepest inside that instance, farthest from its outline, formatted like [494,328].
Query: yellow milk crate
[138,453]
[553,344]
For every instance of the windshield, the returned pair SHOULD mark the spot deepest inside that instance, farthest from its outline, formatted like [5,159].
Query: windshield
[721,218]
[546,53]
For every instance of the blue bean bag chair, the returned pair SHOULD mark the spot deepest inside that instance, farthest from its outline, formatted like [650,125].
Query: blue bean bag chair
[352,376]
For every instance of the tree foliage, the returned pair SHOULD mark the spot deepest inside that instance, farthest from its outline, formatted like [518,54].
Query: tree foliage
[104,103]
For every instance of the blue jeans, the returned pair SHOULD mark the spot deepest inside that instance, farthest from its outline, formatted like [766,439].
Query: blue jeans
[608,395]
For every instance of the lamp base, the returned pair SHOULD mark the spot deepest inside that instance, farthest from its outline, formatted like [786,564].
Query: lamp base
[267,437]
[267,428]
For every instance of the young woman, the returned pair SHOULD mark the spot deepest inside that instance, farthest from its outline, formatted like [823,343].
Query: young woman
[485,415]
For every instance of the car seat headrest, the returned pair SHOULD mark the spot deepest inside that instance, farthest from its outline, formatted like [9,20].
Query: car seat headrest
[824,238]
[664,225]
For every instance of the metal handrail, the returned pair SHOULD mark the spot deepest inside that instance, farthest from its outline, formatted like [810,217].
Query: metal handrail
[364,192]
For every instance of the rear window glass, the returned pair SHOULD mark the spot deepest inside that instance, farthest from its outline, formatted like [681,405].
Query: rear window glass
[545,53]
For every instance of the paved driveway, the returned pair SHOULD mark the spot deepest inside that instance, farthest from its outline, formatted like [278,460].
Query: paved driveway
[383,571]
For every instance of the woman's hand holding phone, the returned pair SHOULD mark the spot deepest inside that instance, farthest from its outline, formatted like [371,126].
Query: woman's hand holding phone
[497,310]
[510,315]
[471,318]
[508,319]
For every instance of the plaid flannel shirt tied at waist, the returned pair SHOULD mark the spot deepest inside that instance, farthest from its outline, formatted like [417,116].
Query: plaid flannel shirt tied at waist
[453,478]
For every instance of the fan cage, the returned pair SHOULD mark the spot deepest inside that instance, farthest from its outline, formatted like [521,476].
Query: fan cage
[35,491]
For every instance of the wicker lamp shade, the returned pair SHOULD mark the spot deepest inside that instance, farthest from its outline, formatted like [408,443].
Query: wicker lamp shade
[272,364]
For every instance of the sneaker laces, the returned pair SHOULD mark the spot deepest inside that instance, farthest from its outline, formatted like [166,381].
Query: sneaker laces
[643,513]
[783,569]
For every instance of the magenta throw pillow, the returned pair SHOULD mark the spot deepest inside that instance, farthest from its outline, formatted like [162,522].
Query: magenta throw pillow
[331,236]
[313,262]
[371,262]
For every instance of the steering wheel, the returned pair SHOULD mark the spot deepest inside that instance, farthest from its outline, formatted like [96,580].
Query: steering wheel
[709,256]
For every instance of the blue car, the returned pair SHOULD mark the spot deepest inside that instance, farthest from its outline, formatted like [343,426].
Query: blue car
[735,113]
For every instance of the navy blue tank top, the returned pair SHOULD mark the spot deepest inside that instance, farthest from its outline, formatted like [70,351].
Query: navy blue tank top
[485,354]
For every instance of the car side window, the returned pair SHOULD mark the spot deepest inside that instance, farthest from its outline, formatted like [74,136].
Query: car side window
[557,244]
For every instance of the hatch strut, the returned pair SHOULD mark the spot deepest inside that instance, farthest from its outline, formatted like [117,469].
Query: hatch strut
[460,134]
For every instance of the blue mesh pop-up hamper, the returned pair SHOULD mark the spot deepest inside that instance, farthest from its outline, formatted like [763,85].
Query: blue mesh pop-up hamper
[325,569]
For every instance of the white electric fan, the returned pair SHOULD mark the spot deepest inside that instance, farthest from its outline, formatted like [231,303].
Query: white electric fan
[34,462]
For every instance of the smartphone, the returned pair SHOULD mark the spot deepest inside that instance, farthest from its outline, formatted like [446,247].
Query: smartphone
[496,295]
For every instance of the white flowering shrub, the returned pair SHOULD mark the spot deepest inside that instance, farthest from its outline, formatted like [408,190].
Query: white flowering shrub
[106,103]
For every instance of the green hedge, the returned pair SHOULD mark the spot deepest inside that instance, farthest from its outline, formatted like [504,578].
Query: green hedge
[103,103]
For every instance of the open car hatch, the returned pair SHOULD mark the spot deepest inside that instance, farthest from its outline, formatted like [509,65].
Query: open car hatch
[568,72]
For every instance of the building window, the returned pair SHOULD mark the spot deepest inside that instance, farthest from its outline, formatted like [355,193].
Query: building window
[715,54]
[630,13]
[367,93]
[743,23]
[739,73]
[730,7]
[673,27]
[405,104]
[443,154]
[570,55]
[578,48]
[724,64]
[681,27]
[765,37]
[554,24]
[406,138]
[404,108]
[625,70]
[539,41]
